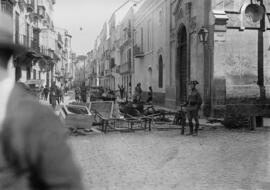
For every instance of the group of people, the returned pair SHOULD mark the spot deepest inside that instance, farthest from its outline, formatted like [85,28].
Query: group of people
[55,94]
[192,105]
[137,97]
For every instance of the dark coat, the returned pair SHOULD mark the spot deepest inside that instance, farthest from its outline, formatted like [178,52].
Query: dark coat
[34,154]
[194,100]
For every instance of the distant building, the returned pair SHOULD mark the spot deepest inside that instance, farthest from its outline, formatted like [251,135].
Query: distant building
[126,41]
[34,29]
[63,67]
[151,47]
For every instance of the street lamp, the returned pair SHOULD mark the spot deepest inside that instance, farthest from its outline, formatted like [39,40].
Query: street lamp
[203,35]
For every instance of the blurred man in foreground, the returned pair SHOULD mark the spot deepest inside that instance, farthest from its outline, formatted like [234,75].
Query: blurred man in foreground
[33,149]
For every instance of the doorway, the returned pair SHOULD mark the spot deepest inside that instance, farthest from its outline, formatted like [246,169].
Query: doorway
[181,66]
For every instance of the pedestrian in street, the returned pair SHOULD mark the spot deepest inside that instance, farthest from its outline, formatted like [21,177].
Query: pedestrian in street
[150,95]
[46,92]
[129,92]
[66,90]
[53,95]
[77,94]
[83,92]
[193,106]
[34,153]
[138,93]
[62,93]
[122,91]
[42,92]
[58,95]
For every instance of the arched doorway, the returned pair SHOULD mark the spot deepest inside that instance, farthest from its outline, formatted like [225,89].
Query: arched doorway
[181,66]
[160,72]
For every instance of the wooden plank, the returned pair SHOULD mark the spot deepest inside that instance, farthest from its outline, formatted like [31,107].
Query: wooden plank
[96,130]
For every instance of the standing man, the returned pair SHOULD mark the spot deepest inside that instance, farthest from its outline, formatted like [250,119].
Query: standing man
[53,95]
[58,94]
[193,106]
[42,92]
[150,95]
[62,93]
[34,153]
[138,93]
[77,94]
[46,92]
[83,92]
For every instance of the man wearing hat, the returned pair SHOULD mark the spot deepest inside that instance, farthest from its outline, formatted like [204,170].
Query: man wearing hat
[193,106]
[33,150]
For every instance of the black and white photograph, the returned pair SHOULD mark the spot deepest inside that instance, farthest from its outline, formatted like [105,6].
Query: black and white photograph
[135,95]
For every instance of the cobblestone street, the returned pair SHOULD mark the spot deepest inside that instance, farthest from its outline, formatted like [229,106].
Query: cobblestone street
[218,159]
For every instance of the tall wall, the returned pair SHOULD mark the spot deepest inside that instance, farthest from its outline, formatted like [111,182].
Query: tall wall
[236,55]
[151,25]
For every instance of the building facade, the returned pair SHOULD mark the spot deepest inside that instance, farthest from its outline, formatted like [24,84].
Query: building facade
[63,66]
[151,48]
[223,44]
[34,29]
[126,41]
[115,57]
[231,65]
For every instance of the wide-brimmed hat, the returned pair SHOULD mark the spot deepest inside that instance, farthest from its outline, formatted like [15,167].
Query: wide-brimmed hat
[6,35]
[193,82]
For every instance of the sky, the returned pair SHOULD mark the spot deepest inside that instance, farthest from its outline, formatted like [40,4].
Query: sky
[90,15]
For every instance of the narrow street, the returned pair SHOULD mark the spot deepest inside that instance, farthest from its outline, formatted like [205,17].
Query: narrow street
[139,63]
[218,159]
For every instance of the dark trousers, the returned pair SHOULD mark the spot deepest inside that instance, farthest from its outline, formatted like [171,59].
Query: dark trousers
[83,98]
[193,115]
[46,96]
